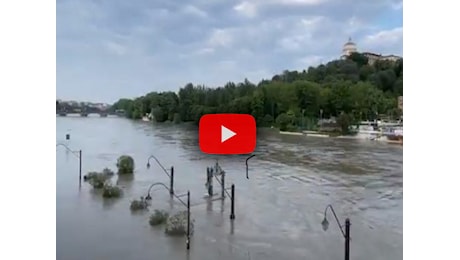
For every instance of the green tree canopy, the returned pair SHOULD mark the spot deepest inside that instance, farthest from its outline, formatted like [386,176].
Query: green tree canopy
[351,87]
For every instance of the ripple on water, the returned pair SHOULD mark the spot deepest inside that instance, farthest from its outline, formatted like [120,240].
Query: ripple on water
[278,210]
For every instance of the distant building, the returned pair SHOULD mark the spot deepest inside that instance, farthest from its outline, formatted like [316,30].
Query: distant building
[373,57]
[350,47]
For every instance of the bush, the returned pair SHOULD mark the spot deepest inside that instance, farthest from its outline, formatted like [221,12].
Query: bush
[177,118]
[284,121]
[158,218]
[176,225]
[89,176]
[125,164]
[107,172]
[344,120]
[110,191]
[139,204]
[268,120]
[98,179]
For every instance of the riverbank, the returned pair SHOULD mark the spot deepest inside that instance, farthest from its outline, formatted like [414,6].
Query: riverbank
[307,133]
[318,134]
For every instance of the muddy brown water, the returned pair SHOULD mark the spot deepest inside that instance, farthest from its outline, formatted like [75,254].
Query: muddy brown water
[278,210]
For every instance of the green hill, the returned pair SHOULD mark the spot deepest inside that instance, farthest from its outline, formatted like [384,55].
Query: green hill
[348,88]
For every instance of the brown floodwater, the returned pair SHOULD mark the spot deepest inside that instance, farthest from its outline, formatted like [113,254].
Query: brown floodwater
[278,210]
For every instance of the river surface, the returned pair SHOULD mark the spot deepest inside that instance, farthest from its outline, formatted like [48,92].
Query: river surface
[279,209]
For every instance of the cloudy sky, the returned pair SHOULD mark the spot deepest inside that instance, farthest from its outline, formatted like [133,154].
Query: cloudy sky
[108,49]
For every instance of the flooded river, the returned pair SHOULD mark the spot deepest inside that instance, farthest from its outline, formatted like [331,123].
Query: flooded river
[279,209]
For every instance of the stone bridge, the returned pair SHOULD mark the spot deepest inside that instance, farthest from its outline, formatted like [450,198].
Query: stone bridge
[64,109]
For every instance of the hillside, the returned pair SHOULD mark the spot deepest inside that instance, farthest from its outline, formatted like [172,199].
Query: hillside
[349,88]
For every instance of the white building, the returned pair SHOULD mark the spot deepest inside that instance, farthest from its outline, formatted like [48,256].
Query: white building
[350,47]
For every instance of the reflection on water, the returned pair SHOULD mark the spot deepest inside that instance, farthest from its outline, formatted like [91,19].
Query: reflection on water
[278,210]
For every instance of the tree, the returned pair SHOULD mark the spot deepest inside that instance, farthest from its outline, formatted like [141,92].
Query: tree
[283,121]
[344,121]
[351,89]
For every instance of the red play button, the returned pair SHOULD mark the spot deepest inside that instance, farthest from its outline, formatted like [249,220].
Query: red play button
[227,134]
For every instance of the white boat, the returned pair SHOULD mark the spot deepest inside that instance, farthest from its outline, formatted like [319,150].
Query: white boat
[394,133]
[380,131]
[147,117]
[368,130]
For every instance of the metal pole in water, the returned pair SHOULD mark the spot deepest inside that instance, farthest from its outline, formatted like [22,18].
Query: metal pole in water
[171,184]
[210,175]
[80,158]
[222,178]
[188,220]
[347,239]
[232,209]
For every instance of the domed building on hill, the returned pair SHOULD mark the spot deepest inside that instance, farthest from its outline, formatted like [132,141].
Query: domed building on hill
[350,47]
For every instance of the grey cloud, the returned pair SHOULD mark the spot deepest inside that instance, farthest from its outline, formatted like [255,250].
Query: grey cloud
[111,49]
[385,42]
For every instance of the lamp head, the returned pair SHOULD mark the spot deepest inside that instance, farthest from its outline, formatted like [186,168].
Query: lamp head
[148,197]
[325,224]
[148,165]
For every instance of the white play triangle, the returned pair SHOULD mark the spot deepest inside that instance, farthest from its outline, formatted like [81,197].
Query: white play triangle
[226,134]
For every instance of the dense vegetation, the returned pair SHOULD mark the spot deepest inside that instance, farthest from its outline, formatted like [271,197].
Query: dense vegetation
[349,89]
[140,204]
[99,179]
[158,218]
[125,164]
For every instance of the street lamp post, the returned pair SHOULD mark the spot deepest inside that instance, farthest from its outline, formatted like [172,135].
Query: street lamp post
[170,176]
[247,167]
[188,220]
[232,203]
[178,197]
[75,153]
[346,233]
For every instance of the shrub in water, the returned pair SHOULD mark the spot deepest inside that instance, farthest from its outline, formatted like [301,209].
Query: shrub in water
[159,217]
[98,180]
[176,225]
[107,172]
[89,176]
[125,164]
[139,204]
[110,191]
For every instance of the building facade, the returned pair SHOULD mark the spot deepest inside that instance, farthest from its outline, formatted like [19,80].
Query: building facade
[350,47]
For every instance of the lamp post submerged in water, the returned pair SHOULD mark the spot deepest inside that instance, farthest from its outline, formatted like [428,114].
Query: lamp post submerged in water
[178,197]
[75,153]
[170,176]
[247,166]
[346,233]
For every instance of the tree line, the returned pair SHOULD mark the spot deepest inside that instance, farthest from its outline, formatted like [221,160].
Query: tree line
[350,90]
